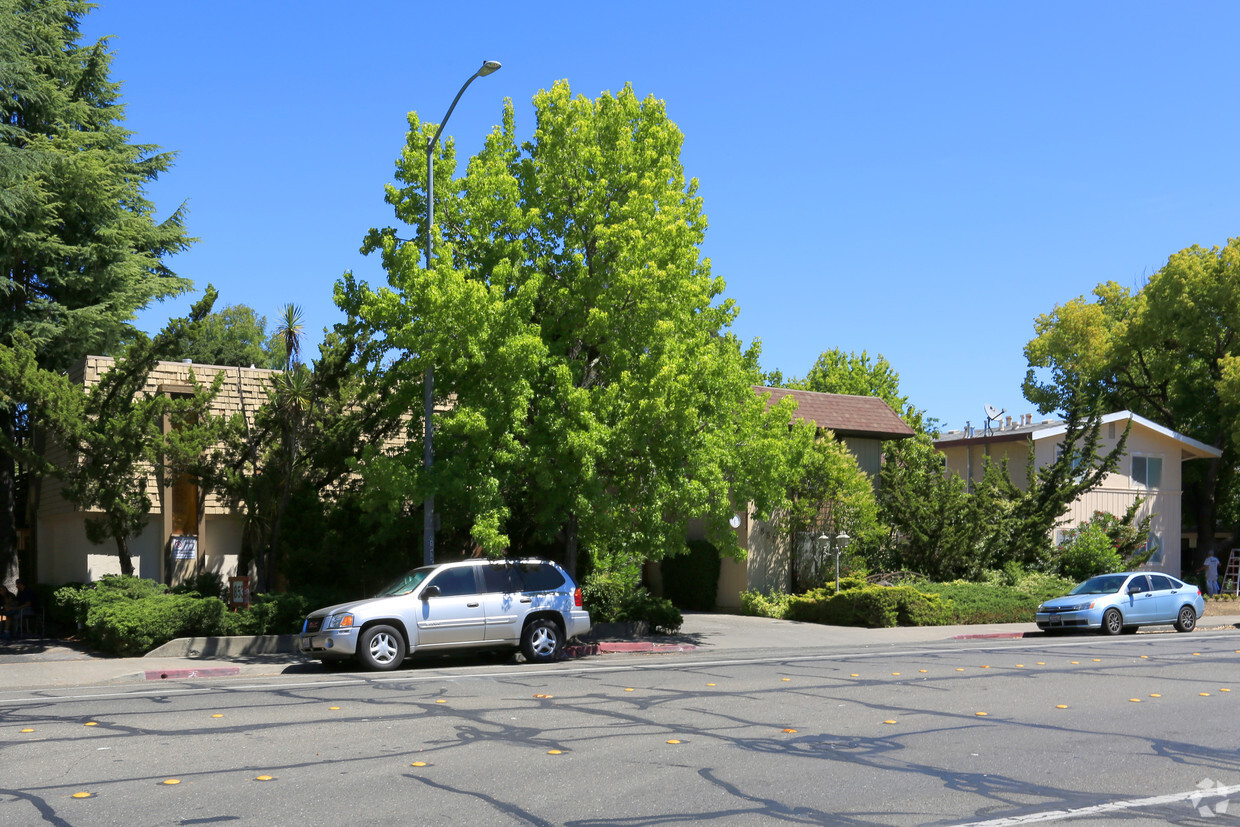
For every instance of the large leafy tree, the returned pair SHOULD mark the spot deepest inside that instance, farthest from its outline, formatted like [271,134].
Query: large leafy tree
[80,245]
[235,336]
[1170,352]
[597,399]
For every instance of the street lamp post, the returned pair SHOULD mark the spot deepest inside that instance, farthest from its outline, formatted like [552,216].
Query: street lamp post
[841,542]
[428,391]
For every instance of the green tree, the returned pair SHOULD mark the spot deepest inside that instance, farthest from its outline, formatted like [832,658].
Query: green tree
[80,246]
[236,337]
[1169,352]
[597,397]
[112,432]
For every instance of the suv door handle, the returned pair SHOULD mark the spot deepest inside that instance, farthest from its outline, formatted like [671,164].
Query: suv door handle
[472,605]
[527,600]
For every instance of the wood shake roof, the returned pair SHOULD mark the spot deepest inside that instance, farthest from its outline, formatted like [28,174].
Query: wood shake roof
[845,415]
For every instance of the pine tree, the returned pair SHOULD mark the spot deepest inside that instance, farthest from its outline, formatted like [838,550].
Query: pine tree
[80,246]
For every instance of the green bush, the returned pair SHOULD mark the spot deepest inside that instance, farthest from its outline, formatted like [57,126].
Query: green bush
[130,628]
[603,594]
[1088,551]
[761,604]
[662,617]
[691,579]
[270,614]
[872,606]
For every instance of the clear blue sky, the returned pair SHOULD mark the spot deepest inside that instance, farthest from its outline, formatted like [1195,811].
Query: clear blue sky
[917,180]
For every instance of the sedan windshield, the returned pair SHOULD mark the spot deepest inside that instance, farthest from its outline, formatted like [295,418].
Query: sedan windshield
[1103,584]
[406,583]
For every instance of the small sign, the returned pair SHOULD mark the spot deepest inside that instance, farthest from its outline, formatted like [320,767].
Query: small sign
[238,593]
[184,547]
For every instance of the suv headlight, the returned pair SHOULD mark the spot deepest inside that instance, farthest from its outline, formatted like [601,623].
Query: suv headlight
[342,621]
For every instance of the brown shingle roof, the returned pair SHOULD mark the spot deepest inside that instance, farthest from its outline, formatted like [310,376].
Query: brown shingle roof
[843,414]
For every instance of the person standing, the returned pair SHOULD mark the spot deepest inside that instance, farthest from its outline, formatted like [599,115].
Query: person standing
[1210,567]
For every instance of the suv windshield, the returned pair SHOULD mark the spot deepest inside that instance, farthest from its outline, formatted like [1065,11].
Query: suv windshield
[406,583]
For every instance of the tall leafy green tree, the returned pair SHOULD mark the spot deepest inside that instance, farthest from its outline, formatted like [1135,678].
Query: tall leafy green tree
[81,248]
[235,336]
[597,397]
[1169,352]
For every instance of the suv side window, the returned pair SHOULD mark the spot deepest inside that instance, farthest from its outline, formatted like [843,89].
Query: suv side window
[541,577]
[501,578]
[455,582]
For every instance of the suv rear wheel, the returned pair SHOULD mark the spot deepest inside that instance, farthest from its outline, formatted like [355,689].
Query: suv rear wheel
[541,641]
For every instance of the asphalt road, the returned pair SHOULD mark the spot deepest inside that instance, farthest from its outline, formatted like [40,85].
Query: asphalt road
[1059,730]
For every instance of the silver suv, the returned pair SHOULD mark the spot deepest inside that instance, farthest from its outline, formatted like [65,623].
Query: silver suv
[473,604]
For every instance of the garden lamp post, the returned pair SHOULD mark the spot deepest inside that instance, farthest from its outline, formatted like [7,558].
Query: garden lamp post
[841,543]
[428,391]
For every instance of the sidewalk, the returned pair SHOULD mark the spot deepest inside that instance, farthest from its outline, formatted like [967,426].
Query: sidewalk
[30,664]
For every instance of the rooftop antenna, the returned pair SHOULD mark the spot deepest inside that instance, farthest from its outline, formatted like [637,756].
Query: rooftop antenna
[991,416]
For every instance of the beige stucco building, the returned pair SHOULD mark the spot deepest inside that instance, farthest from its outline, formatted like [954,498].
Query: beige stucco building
[187,533]
[1151,468]
[862,423]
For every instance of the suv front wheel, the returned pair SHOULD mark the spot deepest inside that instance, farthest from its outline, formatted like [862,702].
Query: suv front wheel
[541,641]
[381,648]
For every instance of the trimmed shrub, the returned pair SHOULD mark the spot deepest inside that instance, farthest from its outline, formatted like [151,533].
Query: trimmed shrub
[872,606]
[691,579]
[660,615]
[760,604]
[1089,551]
[134,627]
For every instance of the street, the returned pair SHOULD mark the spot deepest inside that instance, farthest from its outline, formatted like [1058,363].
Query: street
[951,732]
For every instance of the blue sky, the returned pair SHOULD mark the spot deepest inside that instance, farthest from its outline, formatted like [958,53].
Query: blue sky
[917,180]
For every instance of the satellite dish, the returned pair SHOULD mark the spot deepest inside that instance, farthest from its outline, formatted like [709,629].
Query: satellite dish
[991,416]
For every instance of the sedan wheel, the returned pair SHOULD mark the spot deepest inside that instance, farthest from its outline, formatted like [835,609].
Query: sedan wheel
[541,641]
[1187,620]
[1112,622]
[381,648]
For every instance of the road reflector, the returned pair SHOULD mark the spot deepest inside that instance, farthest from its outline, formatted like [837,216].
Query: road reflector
[265,778]
[710,684]
[441,701]
[1204,694]
[555,752]
[889,722]
[83,795]
[91,723]
[170,781]
[1134,700]
[785,679]
[1155,695]
[921,670]
[1224,689]
[218,715]
[854,675]
[630,689]
[960,669]
[27,730]
[418,764]
[1061,706]
[333,708]
[673,741]
[544,696]
[895,674]
[789,730]
[980,714]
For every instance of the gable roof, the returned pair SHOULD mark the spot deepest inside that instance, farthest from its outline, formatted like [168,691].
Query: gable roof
[865,416]
[1190,448]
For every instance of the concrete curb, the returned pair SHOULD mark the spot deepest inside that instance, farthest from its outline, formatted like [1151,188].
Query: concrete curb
[236,646]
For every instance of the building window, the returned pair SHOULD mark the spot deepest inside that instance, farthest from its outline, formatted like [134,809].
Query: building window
[1147,471]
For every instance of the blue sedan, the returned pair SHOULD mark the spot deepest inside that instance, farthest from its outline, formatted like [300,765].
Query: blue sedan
[1114,603]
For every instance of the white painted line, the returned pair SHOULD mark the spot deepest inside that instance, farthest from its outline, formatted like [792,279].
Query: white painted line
[1114,806]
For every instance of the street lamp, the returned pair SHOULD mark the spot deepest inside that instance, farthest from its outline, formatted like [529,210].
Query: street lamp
[428,391]
[837,543]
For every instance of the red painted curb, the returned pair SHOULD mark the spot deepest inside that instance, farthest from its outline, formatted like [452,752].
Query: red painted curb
[620,646]
[205,672]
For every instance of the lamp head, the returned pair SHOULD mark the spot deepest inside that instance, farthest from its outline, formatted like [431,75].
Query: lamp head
[488,66]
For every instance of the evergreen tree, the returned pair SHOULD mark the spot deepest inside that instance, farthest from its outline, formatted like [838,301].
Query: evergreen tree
[80,246]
